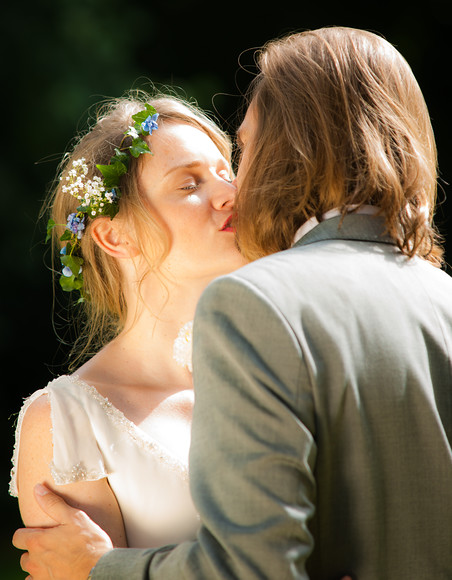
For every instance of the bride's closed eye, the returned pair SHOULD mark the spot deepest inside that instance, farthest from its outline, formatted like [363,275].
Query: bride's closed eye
[190,187]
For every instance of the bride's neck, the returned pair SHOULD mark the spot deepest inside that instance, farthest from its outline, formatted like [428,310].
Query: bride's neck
[159,309]
[143,352]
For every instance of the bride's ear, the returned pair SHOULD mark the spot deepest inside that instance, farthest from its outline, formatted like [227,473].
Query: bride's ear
[109,235]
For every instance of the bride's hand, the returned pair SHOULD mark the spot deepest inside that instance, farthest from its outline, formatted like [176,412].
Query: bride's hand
[67,551]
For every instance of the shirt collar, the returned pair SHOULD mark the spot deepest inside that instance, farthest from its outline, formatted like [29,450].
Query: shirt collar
[311,223]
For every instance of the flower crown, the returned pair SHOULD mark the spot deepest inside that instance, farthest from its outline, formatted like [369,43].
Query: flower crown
[99,196]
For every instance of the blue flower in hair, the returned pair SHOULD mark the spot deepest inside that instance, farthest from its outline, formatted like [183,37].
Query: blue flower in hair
[76,224]
[150,123]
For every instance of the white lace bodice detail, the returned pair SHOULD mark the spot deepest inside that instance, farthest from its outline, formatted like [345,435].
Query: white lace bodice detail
[93,439]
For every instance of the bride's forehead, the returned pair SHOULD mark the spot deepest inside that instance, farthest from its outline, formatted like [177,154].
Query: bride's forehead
[180,134]
[177,140]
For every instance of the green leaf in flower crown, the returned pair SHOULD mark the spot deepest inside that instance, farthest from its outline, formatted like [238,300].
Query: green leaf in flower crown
[143,115]
[110,210]
[78,283]
[50,225]
[72,262]
[69,249]
[120,157]
[112,173]
[69,283]
[138,147]
[67,235]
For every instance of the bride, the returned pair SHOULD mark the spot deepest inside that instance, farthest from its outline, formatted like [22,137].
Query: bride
[113,437]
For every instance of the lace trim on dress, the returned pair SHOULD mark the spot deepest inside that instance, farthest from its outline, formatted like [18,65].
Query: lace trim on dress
[138,436]
[183,347]
[77,473]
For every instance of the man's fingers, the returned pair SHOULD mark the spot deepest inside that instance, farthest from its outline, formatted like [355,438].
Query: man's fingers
[23,561]
[53,505]
[21,537]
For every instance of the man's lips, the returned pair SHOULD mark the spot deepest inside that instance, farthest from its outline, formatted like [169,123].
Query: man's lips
[227,226]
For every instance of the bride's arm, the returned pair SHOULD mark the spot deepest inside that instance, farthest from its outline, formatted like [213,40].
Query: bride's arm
[35,455]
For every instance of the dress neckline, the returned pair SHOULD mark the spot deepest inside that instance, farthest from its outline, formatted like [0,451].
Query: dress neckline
[138,435]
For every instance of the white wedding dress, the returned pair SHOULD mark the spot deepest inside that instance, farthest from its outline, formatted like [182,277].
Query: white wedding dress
[93,439]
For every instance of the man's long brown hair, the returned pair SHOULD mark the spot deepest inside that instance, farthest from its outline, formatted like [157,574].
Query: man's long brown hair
[341,122]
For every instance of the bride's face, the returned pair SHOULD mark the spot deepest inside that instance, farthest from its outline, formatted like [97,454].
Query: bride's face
[187,182]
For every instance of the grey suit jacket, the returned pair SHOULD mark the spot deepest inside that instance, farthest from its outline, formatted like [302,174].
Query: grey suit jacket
[323,419]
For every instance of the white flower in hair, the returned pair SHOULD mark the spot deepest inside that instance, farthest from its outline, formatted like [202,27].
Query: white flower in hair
[132,132]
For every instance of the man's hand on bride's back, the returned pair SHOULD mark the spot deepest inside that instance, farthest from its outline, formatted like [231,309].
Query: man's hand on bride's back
[67,551]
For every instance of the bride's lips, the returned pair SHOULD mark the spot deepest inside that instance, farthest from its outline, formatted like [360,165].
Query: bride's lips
[227,226]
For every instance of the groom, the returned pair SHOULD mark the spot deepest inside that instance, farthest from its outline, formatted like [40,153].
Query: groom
[322,427]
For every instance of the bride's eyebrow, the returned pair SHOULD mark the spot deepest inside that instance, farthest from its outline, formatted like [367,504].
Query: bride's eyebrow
[190,165]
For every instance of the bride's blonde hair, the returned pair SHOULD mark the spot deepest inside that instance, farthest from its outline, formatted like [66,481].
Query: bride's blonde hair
[102,316]
[341,121]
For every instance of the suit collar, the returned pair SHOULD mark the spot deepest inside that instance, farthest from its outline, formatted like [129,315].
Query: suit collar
[357,227]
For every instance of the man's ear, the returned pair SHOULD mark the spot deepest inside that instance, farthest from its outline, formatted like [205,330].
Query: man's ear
[110,236]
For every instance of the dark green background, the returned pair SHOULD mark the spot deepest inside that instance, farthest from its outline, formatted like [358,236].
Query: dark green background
[61,57]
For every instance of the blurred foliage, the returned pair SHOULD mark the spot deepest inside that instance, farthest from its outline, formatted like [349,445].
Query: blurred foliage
[61,57]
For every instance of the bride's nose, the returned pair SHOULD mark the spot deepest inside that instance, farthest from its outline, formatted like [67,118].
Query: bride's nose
[224,195]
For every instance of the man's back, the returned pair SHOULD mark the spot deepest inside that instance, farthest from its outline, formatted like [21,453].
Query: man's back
[375,336]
